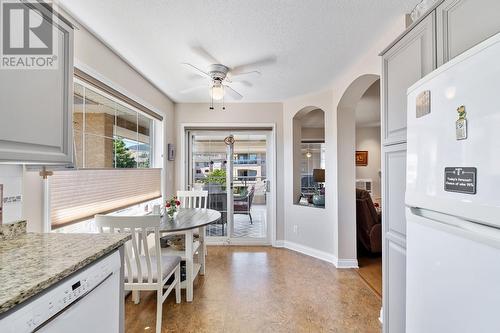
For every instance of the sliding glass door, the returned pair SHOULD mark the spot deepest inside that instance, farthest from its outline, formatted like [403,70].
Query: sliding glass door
[233,166]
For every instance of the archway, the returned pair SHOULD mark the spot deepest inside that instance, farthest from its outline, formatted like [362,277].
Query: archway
[346,170]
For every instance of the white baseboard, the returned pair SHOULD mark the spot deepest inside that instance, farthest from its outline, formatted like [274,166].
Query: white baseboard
[279,243]
[310,251]
[346,263]
[325,256]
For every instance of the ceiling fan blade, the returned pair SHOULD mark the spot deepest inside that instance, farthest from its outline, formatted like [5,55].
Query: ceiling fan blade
[233,93]
[196,70]
[188,90]
[237,76]
[202,52]
[257,63]
[243,82]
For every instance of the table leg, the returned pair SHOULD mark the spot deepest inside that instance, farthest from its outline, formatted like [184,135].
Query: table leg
[136,296]
[189,265]
[202,250]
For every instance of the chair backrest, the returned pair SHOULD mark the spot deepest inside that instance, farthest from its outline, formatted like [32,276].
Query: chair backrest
[139,227]
[250,197]
[193,199]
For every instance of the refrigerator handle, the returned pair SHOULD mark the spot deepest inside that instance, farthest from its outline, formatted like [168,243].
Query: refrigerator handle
[449,223]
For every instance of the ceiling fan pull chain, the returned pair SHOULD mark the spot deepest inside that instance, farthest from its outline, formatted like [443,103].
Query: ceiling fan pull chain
[212,99]
[223,106]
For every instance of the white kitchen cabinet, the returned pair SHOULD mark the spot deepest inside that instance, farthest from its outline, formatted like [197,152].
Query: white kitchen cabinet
[36,107]
[410,59]
[394,236]
[394,187]
[395,297]
[461,24]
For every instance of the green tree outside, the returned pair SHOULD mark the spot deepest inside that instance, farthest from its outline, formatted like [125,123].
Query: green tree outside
[123,156]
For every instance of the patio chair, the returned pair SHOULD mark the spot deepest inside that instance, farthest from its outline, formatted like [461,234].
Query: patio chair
[243,205]
[145,270]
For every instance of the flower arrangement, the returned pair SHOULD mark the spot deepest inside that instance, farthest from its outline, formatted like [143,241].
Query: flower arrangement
[172,206]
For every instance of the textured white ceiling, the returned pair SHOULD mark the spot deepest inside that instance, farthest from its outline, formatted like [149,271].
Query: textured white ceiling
[312,40]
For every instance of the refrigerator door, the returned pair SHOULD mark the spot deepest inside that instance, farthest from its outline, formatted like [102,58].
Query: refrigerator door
[453,276]
[471,80]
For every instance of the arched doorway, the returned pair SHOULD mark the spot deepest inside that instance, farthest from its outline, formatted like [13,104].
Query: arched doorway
[346,170]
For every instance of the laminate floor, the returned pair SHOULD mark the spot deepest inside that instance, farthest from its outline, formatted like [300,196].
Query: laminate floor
[264,289]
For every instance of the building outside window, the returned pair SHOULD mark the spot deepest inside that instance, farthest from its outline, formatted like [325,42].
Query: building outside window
[109,134]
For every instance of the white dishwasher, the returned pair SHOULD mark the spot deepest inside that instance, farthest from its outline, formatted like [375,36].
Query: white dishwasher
[88,301]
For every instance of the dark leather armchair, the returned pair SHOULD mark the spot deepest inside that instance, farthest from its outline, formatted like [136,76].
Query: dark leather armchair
[368,223]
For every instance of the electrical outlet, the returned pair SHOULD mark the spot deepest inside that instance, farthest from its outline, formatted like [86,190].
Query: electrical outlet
[295,229]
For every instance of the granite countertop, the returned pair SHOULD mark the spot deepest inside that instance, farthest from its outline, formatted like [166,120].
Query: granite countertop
[32,262]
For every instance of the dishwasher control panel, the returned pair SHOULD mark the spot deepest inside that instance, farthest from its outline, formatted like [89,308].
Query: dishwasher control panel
[35,313]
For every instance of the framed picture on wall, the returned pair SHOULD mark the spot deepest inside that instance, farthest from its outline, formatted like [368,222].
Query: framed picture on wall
[361,158]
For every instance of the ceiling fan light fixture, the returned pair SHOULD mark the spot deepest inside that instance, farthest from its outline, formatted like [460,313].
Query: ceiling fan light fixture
[217,92]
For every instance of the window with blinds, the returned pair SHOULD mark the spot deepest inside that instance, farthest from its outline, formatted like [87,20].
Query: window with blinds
[113,146]
[77,195]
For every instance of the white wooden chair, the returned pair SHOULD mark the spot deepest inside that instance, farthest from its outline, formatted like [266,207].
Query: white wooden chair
[145,267]
[193,199]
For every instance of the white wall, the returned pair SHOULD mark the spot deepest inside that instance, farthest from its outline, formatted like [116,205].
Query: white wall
[236,113]
[368,69]
[314,226]
[330,233]
[368,138]
[95,58]
[11,177]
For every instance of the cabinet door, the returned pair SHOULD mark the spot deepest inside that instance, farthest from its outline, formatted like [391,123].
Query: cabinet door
[393,189]
[461,24]
[36,107]
[395,294]
[404,64]
[394,237]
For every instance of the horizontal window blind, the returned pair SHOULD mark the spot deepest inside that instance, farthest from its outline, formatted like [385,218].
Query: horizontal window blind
[115,93]
[77,195]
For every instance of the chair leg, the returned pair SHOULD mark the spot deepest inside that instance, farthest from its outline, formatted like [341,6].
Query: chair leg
[250,214]
[159,312]
[178,284]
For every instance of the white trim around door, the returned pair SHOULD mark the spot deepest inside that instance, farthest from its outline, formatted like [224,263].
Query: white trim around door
[233,126]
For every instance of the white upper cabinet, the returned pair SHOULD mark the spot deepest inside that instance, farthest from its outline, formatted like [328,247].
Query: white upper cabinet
[461,24]
[404,64]
[36,104]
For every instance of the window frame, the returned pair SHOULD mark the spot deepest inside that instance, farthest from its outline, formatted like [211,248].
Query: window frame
[152,130]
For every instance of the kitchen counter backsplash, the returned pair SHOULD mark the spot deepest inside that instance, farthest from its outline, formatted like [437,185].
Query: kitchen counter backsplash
[12,230]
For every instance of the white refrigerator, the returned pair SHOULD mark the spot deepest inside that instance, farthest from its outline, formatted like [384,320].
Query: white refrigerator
[453,196]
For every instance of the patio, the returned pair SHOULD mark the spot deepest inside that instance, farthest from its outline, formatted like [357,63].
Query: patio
[242,226]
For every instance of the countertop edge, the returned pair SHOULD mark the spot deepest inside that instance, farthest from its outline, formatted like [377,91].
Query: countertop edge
[37,289]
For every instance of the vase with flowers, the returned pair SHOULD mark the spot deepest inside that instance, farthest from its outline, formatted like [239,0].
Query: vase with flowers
[171,207]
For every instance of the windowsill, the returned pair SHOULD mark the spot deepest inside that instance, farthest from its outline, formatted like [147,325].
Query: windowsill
[309,205]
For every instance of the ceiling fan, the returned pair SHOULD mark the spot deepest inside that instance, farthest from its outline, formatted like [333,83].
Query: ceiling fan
[220,76]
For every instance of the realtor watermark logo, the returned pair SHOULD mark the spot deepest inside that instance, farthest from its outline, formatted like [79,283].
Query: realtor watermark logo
[28,37]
